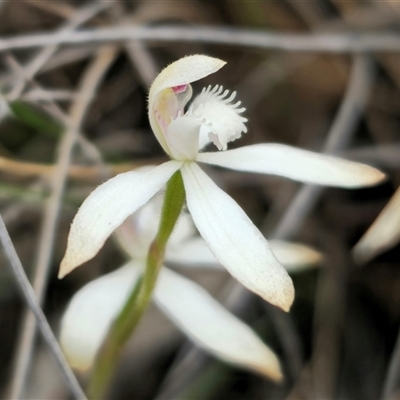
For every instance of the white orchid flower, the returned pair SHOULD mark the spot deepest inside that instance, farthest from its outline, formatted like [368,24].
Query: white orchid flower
[94,307]
[233,239]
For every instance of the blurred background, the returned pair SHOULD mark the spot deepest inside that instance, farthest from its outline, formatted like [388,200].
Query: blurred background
[73,115]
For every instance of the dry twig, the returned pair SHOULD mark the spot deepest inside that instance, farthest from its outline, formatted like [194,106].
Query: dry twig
[33,303]
[87,90]
[327,43]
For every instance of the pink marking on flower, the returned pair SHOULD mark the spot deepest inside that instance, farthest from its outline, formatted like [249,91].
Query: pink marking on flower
[163,123]
[180,88]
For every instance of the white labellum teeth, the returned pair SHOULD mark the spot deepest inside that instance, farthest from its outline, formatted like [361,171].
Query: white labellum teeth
[222,120]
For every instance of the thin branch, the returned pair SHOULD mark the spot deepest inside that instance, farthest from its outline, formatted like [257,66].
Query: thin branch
[325,361]
[78,18]
[338,137]
[38,95]
[137,52]
[88,87]
[54,8]
[81,172]
[385,155]
[54,110]
[392,380]
[327,43]
[31,300]
[69,55]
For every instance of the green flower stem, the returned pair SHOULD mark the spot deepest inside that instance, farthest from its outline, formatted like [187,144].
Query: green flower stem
[140,296]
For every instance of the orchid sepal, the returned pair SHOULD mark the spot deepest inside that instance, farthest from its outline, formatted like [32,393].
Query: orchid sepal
[164,105]
[297,164]
[234,240]
[107,207]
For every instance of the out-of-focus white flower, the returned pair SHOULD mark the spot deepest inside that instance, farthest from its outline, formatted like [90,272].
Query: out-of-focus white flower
[212,117]
[295,257]
[94,307]
[383,234]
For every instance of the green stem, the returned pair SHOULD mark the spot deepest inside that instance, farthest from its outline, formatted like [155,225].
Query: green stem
[134,308]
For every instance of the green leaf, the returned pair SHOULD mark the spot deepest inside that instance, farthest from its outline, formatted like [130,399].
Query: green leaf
[36,119]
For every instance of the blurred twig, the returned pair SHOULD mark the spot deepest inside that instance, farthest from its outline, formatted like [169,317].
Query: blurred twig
[88,86]
[329,43]
[329,317]
[54,110]
[80,172]
[137,52]
[392,380]
[37,95]
[32,301]
[387,156]
[37,62]
[338,137]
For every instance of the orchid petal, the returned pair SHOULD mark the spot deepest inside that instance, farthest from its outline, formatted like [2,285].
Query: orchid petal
[295,257]
[383,234]
[220,119]
[91,311]
[211,326]
[204,138]
[163,102]
[167,107]
[192,253]
[297,164]
[107,207]
[137,232]
[234,240]
[185,70]
[183,138]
